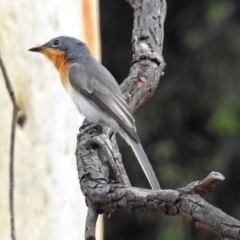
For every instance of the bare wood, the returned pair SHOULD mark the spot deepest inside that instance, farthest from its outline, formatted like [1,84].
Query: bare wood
[208,184]
[12,144]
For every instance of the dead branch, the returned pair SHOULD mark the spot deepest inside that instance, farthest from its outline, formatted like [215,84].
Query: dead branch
[105,195]
[148,63]
[108,171]
[101,173]
[12,144]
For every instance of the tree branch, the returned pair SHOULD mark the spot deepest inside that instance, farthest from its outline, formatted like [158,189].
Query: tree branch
[99,162]
[12,144]
[90,227]
[106,195]
[102,177]
[148,62]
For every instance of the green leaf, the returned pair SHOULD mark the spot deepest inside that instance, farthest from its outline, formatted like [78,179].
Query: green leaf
[225,120]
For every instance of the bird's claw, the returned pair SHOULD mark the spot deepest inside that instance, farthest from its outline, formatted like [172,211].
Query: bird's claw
[88,127]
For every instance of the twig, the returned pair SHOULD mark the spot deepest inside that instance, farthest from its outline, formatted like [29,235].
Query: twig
[12,144]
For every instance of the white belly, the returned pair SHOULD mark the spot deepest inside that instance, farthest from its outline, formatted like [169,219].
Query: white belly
[90,110]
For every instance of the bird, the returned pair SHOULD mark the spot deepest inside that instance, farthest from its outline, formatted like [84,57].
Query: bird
[95,93]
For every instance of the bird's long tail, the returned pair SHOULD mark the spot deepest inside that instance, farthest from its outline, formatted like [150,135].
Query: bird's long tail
[142,159]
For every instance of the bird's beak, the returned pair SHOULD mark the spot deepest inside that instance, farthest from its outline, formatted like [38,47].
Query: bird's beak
[36,49]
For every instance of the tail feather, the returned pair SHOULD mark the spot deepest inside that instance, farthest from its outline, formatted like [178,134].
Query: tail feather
[142,159]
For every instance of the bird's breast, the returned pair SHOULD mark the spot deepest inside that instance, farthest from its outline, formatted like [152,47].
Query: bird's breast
[63,73]
[57,57]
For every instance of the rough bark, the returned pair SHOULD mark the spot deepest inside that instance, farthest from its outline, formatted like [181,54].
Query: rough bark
[102,176]
[105,194]
[148,63]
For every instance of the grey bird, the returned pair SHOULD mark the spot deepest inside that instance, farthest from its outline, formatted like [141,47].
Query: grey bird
[95,92]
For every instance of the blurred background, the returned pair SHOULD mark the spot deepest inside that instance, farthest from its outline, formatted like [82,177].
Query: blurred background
[189,128]
[191,125]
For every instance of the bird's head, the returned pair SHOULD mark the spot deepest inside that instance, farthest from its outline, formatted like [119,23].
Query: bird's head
[62,47]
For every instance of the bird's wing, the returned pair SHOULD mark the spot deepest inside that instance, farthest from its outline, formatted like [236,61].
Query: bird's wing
[96,84]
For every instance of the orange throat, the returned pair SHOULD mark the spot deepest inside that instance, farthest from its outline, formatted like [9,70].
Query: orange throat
[57,57]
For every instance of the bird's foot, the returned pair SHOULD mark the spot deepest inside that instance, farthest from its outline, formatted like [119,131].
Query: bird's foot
[88,127]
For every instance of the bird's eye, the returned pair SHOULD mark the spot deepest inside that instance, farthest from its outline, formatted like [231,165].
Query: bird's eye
[56,42]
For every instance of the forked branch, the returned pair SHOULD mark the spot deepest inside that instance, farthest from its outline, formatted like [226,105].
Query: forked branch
[102,176]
